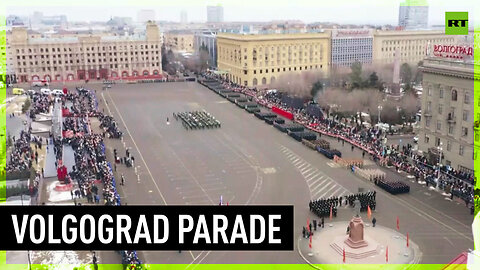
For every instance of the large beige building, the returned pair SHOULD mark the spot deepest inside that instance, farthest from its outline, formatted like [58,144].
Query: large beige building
[412,46]
[180,41]
[259,59]
[82,57]
[448,111]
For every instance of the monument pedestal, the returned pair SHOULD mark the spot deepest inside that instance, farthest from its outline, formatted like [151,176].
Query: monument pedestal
[369,248]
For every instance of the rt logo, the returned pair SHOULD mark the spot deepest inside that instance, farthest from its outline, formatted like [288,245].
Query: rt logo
[456,23]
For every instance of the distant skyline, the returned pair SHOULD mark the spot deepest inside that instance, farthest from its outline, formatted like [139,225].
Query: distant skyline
[343,11]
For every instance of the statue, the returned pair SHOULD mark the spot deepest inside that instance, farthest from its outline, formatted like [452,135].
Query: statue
[356,227]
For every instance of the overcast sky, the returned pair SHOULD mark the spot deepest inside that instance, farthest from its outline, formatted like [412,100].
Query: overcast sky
[340,11]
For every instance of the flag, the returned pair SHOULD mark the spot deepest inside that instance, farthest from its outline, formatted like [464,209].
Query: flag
[330,212]
[343,255]
[221,200]
[398,223]
[386,255]
[308,224]
[227,203]
[407,240]
[310,244]
[369,212]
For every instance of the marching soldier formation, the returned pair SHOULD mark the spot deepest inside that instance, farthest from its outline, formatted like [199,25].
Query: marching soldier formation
[393,187]
[366,199]
[197,120]
[321,207]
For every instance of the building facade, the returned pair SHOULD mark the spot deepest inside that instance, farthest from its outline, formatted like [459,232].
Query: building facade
[351,45]
[86,57]
[208,41]
[448,111]
[412,46]
[258,60]
[214,14]
[413,14]
[180,41]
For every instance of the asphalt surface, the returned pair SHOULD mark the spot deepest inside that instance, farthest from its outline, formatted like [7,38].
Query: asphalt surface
[249,162]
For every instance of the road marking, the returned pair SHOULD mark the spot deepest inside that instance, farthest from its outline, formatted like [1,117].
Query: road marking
[134,143]
[306,171]
[324,187]
[326,192]
[304,165]
[312,177]
[136,146]
[310,174]
[318,179]
[333,194]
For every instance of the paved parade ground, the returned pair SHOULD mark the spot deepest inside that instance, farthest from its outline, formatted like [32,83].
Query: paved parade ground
[247,161]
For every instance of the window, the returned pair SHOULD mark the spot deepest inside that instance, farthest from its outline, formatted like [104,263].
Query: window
[440,93]
[427,139]
[464,131]
[454,95]
[461,150]
[449,146]
[465,115]
[439,125]
[437,141]
[427,122]
[440,108]
[450,129]
[466,99]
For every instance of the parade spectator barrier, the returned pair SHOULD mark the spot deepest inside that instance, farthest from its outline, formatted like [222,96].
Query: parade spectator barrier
[369,174]
[329,153]
[393,187]
[282,112]
[344,162]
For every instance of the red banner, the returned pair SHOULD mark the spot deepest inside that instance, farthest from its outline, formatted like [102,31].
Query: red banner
[282,112]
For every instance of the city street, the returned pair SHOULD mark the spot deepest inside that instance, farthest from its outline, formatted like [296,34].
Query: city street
[249,162]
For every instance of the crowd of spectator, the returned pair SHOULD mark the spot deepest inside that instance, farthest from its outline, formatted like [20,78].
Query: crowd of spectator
[370,139]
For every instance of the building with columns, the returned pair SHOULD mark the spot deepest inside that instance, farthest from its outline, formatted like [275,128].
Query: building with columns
[86,57]
[447,123]
[258,60]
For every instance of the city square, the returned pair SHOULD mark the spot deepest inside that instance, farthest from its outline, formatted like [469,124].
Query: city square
[369,131]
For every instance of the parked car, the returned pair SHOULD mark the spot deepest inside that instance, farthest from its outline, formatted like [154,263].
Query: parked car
[57,92]
[45,91]
[18,91]
[40,83]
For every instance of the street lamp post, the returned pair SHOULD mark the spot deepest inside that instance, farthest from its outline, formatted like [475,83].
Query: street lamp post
[380,108]
[439,165]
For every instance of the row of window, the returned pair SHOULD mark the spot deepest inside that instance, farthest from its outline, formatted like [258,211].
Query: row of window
[451,127]
[100,60]
[73,68]
[125,47]
[453,94]
[416,41]
[260,71]
[449,146]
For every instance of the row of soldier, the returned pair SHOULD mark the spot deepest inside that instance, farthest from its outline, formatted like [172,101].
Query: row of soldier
[323,207]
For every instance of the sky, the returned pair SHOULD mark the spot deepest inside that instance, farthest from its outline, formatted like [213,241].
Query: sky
[341,11]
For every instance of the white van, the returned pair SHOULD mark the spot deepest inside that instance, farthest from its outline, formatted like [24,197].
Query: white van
[40,83]
[57,92]
[45,91]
